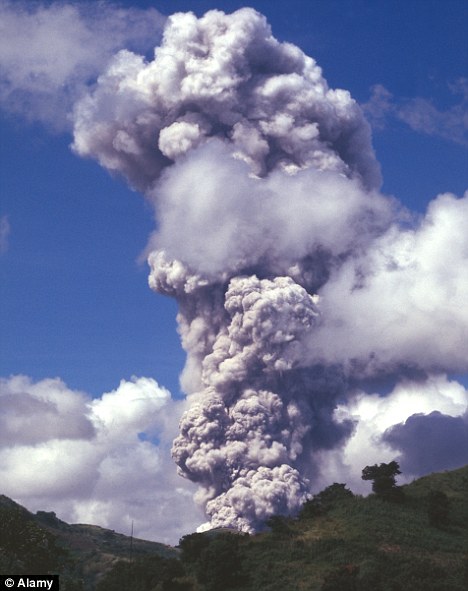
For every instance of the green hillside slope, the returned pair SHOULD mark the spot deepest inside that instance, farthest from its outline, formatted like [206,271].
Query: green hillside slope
[339,542]
[369,544]
[81,554]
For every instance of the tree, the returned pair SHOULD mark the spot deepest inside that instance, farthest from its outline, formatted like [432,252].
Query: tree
[384,483]
[322,502]
[334,494]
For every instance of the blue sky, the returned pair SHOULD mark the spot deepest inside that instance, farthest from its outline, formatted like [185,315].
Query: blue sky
[75,301]
[77,315]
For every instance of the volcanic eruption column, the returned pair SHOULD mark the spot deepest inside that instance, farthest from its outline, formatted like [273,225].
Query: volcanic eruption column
[264,182]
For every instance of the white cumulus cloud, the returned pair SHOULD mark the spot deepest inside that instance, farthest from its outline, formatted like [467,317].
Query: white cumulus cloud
[104,461]
[375,415]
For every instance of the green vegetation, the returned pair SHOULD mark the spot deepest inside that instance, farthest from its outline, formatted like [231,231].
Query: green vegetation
[338,542]
[80,554]
[25,547]
[150,572]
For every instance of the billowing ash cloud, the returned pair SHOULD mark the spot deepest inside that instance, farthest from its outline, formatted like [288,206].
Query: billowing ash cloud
[294,277]
[222,76]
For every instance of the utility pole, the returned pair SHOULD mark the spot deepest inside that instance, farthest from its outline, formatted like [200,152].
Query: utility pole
[131,545]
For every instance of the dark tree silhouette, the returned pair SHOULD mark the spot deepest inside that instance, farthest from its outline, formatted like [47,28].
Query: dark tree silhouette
[334,494]
[383,480]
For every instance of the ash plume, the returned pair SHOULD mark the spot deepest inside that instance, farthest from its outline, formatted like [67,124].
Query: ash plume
[286,262]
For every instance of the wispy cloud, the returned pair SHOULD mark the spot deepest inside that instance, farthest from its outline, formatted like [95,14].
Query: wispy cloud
[4,234]
[421,114]
[49,53]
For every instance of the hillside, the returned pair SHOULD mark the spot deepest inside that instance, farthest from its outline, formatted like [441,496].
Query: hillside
[369,544]
[80,553]
[339,542]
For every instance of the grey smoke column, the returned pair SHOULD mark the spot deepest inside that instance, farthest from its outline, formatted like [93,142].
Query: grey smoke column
[264,181]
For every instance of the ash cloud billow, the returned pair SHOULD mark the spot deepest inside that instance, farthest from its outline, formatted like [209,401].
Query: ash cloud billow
[293,275]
